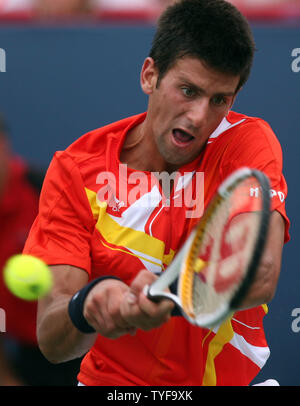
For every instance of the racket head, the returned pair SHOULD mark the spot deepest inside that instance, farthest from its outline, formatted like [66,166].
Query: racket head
[226,250]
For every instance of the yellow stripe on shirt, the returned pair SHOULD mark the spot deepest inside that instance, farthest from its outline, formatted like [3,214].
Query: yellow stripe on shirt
[222,337]
[114,233]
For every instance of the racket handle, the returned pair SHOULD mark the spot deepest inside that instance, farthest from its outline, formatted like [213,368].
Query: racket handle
[156,299]
[156,291]
[157,296]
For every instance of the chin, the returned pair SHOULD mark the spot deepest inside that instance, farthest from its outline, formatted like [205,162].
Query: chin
[177,163]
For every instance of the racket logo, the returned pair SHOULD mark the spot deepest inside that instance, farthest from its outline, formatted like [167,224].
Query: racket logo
[221,261]
[233,250]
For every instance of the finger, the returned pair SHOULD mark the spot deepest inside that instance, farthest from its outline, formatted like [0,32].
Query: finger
[143,278]
[137,286]
[103,310]
[107,325]
[156,310]
[153,309]
[133,312]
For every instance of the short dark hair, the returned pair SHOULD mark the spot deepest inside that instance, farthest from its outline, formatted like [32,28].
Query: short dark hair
[213,31]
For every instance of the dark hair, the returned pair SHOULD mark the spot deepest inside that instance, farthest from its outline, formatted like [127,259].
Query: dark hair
[213,31]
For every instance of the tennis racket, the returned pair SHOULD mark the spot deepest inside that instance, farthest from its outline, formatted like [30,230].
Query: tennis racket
[217,263]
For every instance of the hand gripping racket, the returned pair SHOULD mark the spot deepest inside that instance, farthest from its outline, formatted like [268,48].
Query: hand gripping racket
[218,261]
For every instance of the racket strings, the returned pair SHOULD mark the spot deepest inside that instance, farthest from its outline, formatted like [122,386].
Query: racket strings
[193,292]
[204,297]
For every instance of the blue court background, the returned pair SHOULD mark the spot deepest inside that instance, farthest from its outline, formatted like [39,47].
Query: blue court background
[61,82]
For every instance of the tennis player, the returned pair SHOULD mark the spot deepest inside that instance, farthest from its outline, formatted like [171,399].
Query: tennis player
[106,227]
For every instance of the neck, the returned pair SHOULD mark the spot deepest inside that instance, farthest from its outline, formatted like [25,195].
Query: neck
[140,153]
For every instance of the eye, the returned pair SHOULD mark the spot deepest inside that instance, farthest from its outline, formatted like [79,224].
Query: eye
[219,100]
[188,91]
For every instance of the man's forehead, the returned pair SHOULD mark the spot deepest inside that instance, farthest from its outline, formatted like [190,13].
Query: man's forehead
[196,72]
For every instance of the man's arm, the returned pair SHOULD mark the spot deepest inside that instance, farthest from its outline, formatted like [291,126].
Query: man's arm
[58,339]
[264,286]
[114,309]
[111,307]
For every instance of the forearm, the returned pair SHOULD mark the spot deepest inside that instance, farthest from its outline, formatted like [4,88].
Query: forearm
[263,288]
[58,339]
[106,308]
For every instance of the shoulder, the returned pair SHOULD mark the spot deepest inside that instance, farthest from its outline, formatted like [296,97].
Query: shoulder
[94,143]
[90,153]
[242,134]
[252,128]
[241,140]
[250,141]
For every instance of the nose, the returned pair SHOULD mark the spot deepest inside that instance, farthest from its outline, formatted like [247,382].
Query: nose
[198,112]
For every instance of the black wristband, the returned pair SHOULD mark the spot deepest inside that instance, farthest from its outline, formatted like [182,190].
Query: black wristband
[76,304]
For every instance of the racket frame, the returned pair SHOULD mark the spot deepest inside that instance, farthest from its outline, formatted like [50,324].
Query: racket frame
[176,269]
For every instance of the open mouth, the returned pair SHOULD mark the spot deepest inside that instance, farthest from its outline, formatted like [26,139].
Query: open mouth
[181,137]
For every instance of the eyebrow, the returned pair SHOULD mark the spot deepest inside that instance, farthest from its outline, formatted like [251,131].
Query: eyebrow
[200,90]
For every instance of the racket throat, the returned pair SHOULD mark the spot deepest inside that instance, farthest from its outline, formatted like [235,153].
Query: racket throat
[158,295]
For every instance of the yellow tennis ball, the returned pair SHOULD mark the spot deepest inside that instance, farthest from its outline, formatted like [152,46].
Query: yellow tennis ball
[27,277]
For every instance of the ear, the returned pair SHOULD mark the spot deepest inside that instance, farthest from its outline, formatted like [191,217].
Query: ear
[149,76]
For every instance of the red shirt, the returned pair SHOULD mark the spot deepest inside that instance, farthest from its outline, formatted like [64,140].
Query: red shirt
[74,227]
[18,209]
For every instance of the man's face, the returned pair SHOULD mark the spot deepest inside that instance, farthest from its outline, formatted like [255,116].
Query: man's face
[186,107]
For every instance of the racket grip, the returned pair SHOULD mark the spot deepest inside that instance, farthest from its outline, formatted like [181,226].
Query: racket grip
[177,309]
